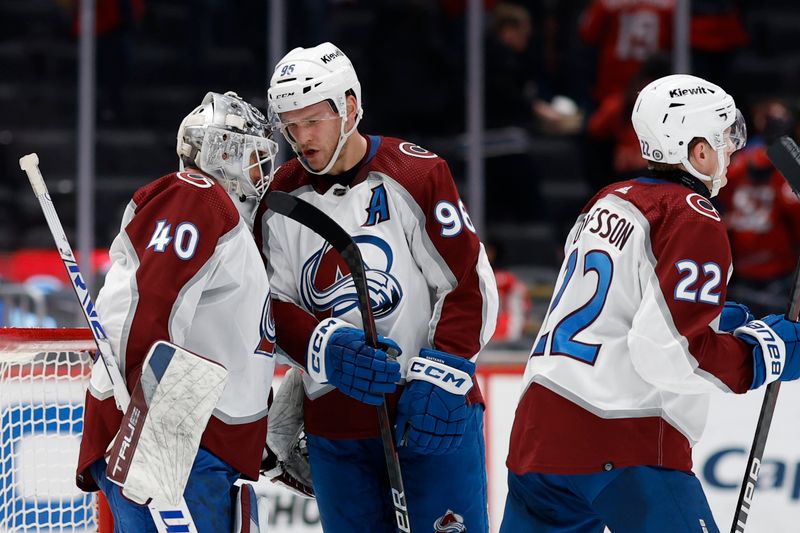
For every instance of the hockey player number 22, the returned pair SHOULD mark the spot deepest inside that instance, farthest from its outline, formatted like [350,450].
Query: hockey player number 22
[576,320]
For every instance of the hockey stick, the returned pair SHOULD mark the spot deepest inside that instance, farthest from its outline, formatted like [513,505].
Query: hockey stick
[166,519]
[309,216]
[785,155]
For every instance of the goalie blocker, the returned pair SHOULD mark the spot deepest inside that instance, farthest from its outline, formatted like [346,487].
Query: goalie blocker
[156,445]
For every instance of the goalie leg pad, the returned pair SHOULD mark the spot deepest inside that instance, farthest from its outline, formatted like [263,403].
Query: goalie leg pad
[153,452]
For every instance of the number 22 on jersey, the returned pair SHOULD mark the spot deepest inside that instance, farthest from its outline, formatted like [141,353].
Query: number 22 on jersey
[597,269]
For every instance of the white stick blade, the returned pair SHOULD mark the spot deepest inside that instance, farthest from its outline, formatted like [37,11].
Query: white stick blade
[30,164]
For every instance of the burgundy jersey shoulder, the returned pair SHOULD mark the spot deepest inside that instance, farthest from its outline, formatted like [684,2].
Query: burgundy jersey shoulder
[411,165]
[664,203]
[290,176]
[191,195]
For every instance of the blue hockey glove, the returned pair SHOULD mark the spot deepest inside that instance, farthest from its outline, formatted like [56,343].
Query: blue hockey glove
[734,315]
[339,355]
[776,348]
[432,410]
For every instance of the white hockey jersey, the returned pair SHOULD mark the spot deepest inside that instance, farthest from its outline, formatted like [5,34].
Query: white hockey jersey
[620,371]
[430,281]
[185,268]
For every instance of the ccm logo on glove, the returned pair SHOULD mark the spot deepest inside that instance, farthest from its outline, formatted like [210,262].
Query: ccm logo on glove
[322,333]
[338,354]
[448,378]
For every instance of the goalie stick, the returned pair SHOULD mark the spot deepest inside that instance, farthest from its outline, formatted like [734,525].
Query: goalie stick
[785,155]
[309,216]
[166,519]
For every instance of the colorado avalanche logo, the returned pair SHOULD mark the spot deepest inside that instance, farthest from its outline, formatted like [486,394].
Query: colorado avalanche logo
[324,288]
[267,329]
[449,523]
[703,206]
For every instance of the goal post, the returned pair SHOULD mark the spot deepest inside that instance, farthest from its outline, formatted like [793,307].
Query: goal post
[43,378]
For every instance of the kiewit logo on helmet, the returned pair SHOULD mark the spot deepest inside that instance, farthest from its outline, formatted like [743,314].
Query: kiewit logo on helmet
[330,57]
[696,90]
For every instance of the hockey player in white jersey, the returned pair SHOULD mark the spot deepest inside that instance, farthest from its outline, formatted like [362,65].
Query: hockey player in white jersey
[433,294]
[616,387]
[185,268]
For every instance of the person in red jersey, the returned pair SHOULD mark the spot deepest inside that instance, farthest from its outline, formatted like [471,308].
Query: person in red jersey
[611,133]
[514,304]
[432,293]
[763,217]
[626,33]
[185,269]
[638,334]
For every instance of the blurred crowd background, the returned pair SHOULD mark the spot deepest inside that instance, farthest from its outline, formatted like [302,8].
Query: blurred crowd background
[560,78]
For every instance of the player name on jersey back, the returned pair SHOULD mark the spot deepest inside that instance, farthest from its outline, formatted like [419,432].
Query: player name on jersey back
[606,223]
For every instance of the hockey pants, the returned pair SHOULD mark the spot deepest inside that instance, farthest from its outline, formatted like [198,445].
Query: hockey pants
[353,494]
[627,500]
[208,496]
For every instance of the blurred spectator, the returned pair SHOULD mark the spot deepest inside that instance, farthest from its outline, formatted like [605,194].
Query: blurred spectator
[509,80]
[513,105]
[763,218]
[512,92]
[771,119]
[716,31]
[626,33]
[515,304]
[611,134]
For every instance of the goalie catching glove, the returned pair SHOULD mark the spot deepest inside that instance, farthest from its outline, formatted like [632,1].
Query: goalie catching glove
[776,349]
[432,410]
[339,355]
[285,457]
[294,476]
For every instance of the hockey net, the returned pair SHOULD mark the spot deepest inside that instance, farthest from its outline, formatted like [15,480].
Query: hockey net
[43,378]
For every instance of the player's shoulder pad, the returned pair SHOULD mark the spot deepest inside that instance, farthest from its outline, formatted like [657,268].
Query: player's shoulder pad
[702,206]
[409,164]
[289,176]
[191,194]
[409,152]
[666,203]
[622,189]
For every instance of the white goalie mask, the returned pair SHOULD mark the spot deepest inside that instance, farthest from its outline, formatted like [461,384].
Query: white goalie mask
[671,111]
[307,76]
[230,140]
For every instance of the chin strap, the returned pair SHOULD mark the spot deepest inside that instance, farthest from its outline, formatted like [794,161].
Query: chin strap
[715,181]
[343,136]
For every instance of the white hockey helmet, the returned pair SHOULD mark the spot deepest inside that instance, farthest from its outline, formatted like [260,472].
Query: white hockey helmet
[671,111]
[307,76]
[227,138]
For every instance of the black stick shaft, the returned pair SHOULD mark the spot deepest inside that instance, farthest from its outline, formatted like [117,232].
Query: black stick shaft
[324,226]
[785,155]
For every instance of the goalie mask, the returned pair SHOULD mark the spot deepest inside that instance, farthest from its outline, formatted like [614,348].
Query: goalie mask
[307,76]
[671,111]
[230,140]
